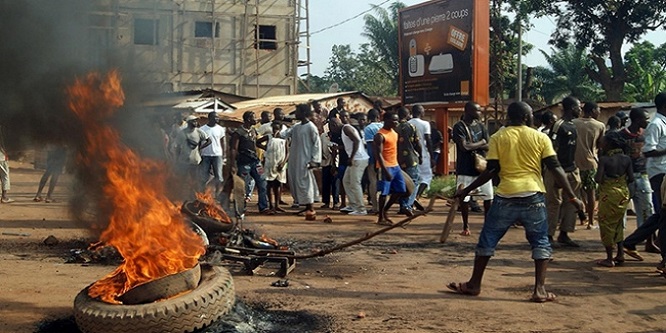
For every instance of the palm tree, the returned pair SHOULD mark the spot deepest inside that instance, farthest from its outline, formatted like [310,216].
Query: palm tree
[646,71]
[382,31]
[567,76]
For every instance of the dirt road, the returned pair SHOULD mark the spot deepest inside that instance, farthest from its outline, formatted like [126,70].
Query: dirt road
[398,280]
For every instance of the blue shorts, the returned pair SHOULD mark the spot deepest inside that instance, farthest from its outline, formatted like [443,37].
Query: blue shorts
[504,212]
[396,185]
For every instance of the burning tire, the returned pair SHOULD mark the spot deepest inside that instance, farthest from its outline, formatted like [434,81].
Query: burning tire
[213,298]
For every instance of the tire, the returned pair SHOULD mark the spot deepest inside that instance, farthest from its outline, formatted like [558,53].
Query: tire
[212,299]
[209,225]
[163,288]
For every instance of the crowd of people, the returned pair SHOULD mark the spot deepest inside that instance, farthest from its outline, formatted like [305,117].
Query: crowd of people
[542,171]
[337,159]
[364,163]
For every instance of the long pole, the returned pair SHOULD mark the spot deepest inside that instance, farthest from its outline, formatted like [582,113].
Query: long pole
[520,61]
[212,47]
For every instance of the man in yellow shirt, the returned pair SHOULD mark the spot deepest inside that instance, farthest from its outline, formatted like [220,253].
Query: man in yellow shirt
[515,154]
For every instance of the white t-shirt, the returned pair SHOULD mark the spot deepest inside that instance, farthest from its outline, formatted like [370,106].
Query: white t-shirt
[216,134]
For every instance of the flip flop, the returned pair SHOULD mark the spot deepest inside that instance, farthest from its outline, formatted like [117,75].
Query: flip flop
[280,210]
[461,288]
[37,199]
[550,297]
[311,216]
[605,263]
[384,222]
[267,212]
[465,232]
[634,254]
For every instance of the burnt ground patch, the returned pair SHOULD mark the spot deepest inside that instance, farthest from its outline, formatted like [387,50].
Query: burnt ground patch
[244,318]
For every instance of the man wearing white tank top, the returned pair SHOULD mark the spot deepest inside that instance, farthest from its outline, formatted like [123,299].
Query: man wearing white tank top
[423,129]
[358,161]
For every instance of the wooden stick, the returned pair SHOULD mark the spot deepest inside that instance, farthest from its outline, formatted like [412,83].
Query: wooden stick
[359,240]
[446,231]
[448,225]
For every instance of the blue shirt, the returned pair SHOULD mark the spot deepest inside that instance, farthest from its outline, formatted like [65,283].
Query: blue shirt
[369,134]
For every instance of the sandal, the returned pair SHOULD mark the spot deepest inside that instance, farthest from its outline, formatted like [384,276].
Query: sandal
[37,199]
[385,222]
[465,232]
[461,288]
[267,211]
[550,297]
[634,254]
[279,210]
[310,215]
[606,263]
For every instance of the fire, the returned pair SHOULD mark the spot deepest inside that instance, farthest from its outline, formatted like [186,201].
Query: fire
[210,207]
[144,226]
[268,240]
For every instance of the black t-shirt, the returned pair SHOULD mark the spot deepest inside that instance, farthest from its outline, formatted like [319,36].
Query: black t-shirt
[334,112]
[464,158]
[634,149]
[564,142]
[437,139]
[247,151]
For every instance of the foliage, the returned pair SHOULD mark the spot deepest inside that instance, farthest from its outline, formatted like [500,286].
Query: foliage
[373,68]
[504,44]
[353,71]
[602,27]
[646,71]
[342,67]
[316,84]
[566,76]
[444,186]
[382,31]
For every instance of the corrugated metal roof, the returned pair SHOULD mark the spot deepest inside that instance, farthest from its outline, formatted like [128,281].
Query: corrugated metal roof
[294,99]
[287,102]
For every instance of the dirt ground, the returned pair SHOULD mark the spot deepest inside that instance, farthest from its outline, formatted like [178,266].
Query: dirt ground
[398,280]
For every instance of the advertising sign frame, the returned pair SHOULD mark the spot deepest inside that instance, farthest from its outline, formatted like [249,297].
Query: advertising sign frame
[444,53]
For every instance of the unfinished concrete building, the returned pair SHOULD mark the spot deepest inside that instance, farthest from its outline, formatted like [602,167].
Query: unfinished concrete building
[242,47]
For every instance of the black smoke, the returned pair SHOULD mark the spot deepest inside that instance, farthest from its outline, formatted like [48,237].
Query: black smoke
[44,46]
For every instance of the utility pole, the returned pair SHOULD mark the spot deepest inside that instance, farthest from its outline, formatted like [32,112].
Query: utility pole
[519,94]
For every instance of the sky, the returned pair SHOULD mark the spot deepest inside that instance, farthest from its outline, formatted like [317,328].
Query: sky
[326,13]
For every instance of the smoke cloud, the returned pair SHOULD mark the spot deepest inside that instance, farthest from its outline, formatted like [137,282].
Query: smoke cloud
[44,46]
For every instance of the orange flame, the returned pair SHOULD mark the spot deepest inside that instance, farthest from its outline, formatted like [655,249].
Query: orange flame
[144,226]
[210,207]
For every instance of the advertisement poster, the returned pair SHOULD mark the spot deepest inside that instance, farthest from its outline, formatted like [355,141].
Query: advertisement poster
[436,52]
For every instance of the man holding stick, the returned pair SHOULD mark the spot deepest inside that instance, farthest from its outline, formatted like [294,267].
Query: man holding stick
[519,198]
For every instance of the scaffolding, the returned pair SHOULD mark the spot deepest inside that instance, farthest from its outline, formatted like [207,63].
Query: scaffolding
[234,59]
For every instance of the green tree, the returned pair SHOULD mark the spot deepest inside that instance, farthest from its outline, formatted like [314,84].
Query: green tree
[316,84]
[603,26]
[504,45]
[382,31]
[646,71]
[566,75]
[342,67]
[352,71]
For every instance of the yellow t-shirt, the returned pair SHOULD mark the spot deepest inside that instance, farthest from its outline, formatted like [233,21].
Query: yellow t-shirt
[519,150]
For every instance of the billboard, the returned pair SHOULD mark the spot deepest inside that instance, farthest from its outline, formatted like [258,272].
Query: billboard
[438,48]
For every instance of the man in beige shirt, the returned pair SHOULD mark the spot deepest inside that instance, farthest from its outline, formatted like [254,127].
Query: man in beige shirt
[590,134]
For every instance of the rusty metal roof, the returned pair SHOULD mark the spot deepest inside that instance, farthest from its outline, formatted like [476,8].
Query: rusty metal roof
[286,102]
